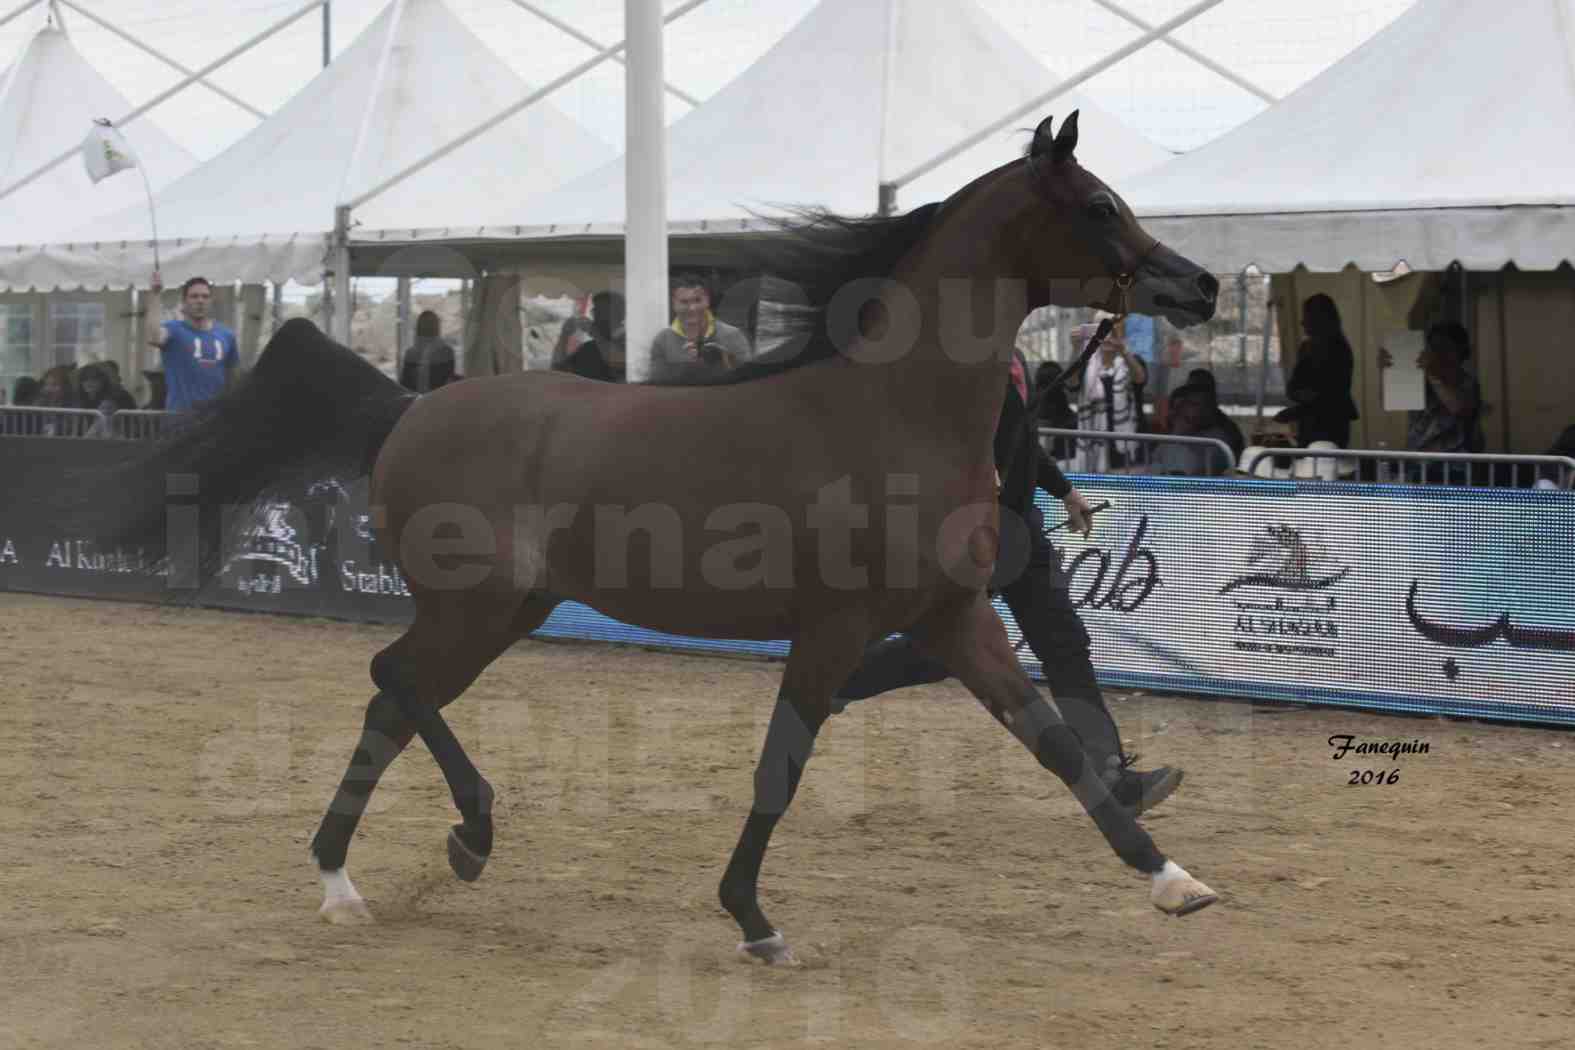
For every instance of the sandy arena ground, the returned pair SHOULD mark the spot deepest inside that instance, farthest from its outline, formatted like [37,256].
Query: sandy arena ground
[163,771]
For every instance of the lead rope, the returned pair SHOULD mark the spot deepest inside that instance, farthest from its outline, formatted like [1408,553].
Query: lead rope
[1074,373]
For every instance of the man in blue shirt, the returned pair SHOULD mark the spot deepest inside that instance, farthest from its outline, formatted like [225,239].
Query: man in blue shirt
[199,355]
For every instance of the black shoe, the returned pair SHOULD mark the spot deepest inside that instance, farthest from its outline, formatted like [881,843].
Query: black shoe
[1140,792]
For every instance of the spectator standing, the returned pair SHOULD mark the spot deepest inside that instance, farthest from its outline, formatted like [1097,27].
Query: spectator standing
[55,389]
[429,361]
[697,344]
[1320,385]
[1232,434]
[1055,410]
[1169,361]
[97,388]
[575,331]
[1109,403]
[1451,420]
[597,353]
[24,390]
[158,391]
[112,368]
[199,354]
[1194,412]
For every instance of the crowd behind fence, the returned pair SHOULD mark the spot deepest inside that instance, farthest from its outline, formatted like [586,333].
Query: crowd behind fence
[1321,462]
[1144,453]
[131,424]
[1390,466]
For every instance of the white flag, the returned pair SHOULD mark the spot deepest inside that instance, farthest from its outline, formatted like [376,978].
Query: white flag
[105,151]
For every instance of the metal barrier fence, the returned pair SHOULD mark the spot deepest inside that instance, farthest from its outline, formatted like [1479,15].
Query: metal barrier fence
[1478,469]
[129,424]
[1196,462]
[31,421]
[138,424]
[1473,469]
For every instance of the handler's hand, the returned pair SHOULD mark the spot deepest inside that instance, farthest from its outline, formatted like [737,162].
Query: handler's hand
[1079,516]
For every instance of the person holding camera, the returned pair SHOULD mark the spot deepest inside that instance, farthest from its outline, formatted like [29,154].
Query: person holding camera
[697,344]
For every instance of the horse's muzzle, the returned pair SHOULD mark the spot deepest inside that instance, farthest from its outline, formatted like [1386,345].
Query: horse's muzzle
[1175,288]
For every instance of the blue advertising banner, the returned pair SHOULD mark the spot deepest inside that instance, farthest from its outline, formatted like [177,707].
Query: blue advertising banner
[1445,601]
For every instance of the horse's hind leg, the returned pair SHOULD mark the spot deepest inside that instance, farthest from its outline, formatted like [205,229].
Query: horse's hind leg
[384,734]
[450,643]
[972,643]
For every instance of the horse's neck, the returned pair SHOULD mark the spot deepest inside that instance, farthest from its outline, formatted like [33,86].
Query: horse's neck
[951,382]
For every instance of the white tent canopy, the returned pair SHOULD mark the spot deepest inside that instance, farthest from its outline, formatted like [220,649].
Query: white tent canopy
[264,208]
[1449,136]
[48,101]
[859,93]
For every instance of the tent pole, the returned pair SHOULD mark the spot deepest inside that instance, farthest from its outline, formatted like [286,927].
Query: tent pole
[591,42]
[378,77]
[402,337]
[343,307]
[888,199]
[1503,359]
[19,12]
[1060,89]
[1197,56]
[328,32]
[168,61]
[168,92]
[508,111]
[1241,322]
[1268,332]
[645,182]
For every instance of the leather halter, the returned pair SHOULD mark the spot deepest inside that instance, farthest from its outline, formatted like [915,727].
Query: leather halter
[1074,372]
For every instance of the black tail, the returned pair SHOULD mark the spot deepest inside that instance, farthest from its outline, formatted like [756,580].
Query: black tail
[309,411]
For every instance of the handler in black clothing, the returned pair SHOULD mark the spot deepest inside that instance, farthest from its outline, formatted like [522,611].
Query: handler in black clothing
[1039,599]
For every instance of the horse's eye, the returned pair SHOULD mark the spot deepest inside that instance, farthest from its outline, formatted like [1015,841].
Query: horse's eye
[1103,209]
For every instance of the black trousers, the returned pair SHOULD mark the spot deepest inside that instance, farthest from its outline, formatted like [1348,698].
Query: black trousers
[1041,603]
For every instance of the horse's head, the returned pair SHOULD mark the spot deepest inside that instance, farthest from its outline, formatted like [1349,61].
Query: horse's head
[1094,251]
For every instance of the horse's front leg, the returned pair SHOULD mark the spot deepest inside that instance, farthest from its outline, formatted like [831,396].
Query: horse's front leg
[819,661]
[971,642]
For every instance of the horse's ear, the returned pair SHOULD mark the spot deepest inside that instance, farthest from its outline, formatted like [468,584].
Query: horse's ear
[1065,140]
[1044,139]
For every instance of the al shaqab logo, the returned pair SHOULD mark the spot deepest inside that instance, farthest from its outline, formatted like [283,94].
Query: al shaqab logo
[1284,559]
[1298,562]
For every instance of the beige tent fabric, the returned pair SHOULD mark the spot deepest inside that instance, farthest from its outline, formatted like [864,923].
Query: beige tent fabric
[494,336]
[1521,335]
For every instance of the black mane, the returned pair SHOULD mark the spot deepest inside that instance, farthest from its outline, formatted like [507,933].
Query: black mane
[813,254]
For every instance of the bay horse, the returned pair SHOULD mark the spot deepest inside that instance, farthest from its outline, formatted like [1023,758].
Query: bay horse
[829,493]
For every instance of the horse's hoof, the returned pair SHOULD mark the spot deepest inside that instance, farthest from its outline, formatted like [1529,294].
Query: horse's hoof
[1177,893]
[345,911]
[466,862]
[770,951]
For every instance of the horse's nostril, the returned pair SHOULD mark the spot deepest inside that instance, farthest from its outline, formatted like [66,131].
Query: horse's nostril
[1208,286]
